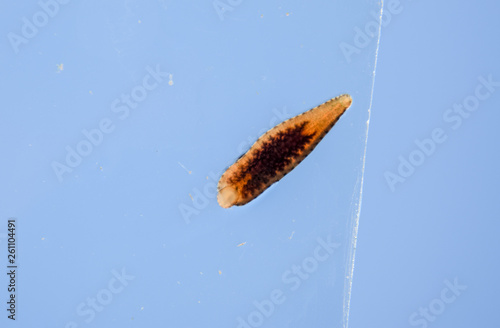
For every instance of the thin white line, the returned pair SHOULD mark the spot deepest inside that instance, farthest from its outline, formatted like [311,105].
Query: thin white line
[347,293]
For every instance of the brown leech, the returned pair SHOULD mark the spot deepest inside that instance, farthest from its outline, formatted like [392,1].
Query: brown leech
[277,152]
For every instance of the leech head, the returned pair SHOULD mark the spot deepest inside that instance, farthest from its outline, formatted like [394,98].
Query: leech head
[345,100]
[227,197]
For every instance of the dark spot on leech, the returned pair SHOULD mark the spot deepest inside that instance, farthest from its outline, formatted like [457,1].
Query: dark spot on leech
[272,157]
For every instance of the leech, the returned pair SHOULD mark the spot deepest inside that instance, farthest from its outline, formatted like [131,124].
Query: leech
[277,152]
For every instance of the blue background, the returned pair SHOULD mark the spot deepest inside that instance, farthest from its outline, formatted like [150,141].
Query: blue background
[141,205]
[442,222]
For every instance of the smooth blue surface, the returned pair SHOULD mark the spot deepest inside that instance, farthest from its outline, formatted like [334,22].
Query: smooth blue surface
[118,119]
[442,223]
[232,79]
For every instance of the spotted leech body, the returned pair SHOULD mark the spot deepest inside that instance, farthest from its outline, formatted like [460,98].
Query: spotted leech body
[277,152]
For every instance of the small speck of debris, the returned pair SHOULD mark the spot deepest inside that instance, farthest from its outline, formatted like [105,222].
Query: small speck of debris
[43,238]
[185,168]
[171,81]
[291,236]
[60,67]
[220,272]
[243,243]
